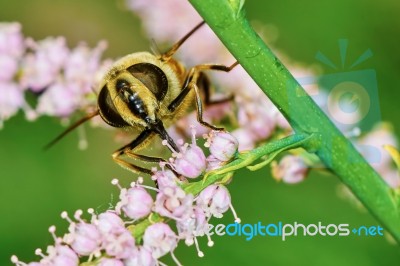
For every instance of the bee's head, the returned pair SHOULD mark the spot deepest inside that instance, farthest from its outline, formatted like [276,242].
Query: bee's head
[133,95]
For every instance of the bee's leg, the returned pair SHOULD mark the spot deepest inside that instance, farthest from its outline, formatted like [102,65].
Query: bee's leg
[129,149]
[191,84]
[216,67]
[151,159]
[204,85]
[167,55]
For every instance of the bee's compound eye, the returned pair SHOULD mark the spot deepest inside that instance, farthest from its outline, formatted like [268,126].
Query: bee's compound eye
[121,84]
[108,111]
[152,77]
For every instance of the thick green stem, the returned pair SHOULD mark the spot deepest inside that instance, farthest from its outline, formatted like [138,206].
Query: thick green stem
[226,18]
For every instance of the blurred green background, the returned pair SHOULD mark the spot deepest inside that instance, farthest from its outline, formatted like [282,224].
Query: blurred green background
[35,186]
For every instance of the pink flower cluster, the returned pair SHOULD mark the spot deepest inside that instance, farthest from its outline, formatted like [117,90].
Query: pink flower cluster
[62,78]
[108,238]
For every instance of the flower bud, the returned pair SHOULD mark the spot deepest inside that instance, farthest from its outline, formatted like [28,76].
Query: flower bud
[83,238]
[196,225]
[120,245]
[110,262]
[86,239]
[223,145]
[108,223]
[135,202]
[60,255]
[141,257]
[159,239]
[191,163]
[164,178]
[213,163]
[9,67]
[214,200]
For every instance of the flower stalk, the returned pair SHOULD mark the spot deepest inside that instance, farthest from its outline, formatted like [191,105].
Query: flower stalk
[227,19]
[267,152]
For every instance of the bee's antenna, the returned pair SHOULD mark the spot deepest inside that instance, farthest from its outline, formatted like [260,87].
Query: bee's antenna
[94,91]
[70,128]
[167,55]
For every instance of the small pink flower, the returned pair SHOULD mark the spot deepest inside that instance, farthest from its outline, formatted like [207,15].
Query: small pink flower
[174,203]
[8,66]
[135,202]
[291,169]
[83,238]
[110,262]
[191,163]
[196,225]
[213,163]
[11,99]
[109,223]
[56,255]
[86,239]
[159,239]
[141,257]
[164,178]
[11,39]
[17,262]
[60,255]
[222,145]
[120,245]
[214,200]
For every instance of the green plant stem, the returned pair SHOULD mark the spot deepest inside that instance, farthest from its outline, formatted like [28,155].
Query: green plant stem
[268,150]
[226,18]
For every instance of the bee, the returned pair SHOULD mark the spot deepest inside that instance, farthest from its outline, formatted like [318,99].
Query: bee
[148,93]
